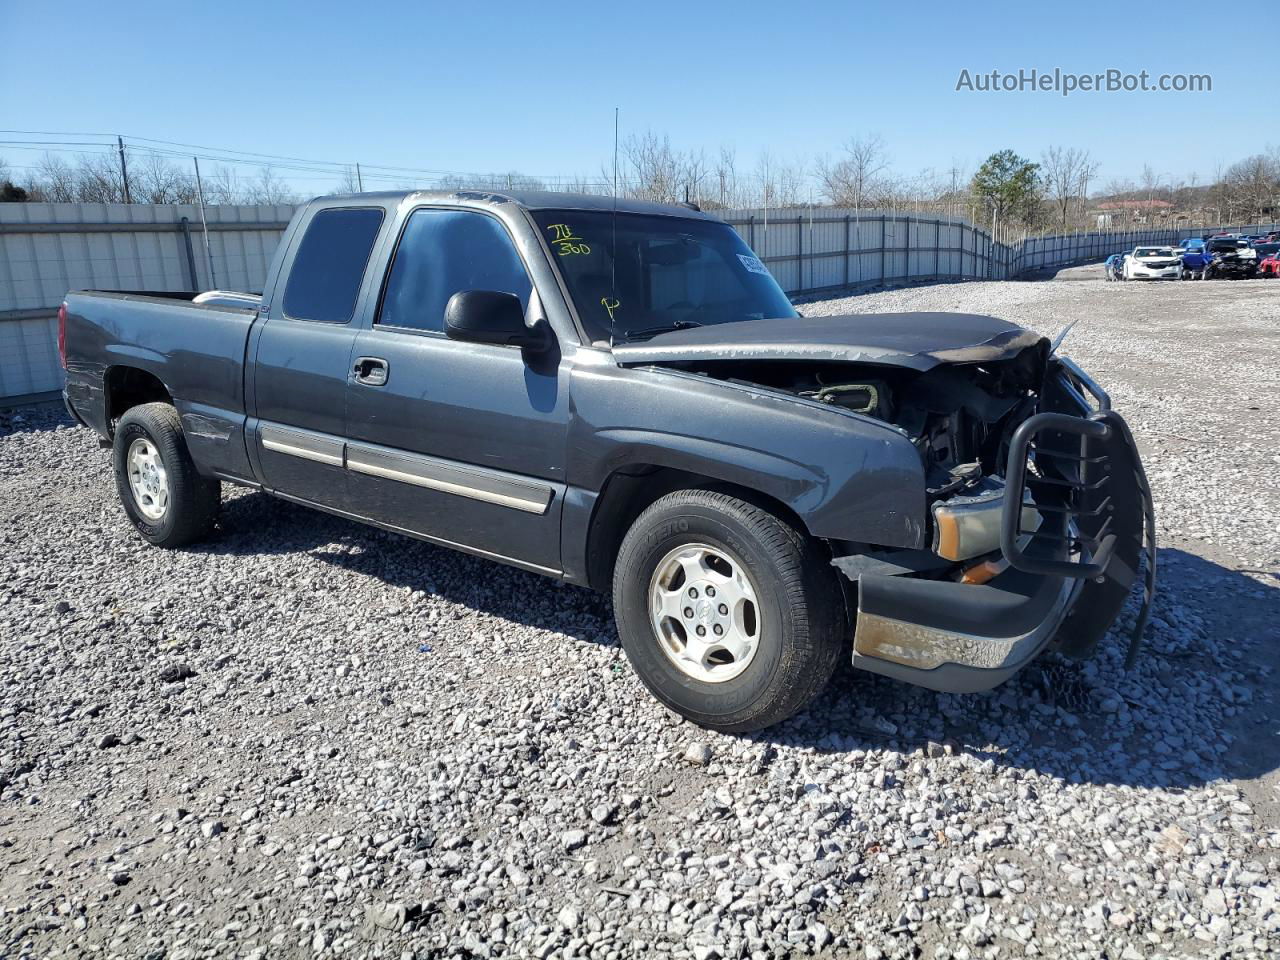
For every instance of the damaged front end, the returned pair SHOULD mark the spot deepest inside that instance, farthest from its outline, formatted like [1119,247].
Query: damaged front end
[1038,509]
[1071,514]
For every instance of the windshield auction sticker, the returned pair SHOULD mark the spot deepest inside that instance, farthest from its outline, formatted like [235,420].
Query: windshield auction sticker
[753,265]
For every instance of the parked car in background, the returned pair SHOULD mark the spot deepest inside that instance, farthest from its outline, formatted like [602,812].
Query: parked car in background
[1264,249]
[1195,257]
[1153,263]
[1231,258]
[1113,267]
[617,394]
[1270,266]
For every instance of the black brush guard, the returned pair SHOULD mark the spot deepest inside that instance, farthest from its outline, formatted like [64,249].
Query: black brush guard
[1087,480]
[1067,580]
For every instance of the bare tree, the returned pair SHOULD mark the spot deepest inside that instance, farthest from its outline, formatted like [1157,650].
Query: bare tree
[349,182]
[781,183]
[1251,185]
[1066,172]
[851,179]
[222,185]
[649,168]
[726,188]
[55,181]
[268,189]
[98,180]
[153,179]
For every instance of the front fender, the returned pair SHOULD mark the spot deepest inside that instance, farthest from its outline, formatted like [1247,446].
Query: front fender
[845,476]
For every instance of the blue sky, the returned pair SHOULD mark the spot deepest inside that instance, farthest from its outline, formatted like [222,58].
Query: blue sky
[494,86]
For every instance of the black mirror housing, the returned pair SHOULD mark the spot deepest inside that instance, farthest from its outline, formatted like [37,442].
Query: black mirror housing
[488,316]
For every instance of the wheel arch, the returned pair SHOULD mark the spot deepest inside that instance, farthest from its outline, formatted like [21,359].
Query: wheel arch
[125,387]
[628,491]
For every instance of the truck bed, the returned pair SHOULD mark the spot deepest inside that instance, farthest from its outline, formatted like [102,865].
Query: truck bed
[194,351]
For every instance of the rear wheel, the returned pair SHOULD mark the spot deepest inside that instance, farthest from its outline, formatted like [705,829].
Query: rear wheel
[164,496]
[729,615]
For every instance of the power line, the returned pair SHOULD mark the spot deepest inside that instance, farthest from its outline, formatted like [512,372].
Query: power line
[212,153]
[394,174]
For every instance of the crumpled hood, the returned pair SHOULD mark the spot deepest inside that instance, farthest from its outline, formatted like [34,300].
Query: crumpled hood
[918,341]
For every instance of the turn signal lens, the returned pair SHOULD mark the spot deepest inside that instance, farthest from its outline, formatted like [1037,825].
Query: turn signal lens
[984,571]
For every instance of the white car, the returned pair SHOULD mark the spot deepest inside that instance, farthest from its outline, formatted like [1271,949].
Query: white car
[1153,263]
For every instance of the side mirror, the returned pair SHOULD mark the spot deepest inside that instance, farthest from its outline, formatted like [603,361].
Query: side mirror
[487,316]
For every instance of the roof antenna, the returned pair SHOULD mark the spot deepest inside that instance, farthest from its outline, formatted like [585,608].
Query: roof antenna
[613,258]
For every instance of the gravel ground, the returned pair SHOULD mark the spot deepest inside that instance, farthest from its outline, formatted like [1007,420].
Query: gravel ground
[311,738]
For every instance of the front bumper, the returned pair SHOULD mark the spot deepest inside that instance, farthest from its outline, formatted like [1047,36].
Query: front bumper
[1066,581]
[1148,273]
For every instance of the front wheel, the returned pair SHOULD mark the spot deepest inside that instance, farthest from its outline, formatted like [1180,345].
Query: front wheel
[163,494]
[728,614]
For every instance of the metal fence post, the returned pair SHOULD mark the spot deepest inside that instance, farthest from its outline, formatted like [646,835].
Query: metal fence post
[184,227]
[800,254]
[847,250]
[937,243]
[884,242]
[906,248]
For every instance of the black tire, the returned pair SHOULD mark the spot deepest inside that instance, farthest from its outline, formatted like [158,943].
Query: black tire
[193,500]
[802,621]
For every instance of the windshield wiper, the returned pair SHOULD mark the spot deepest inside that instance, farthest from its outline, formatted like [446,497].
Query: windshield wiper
[666,328]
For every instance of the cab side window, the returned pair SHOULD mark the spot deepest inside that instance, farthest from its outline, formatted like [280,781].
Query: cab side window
[442,252]
[324,280]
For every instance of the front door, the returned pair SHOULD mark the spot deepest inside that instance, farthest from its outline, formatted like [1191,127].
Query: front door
[460,442]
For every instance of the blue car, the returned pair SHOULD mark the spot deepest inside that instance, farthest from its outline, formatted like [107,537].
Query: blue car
[1195,257]
[1114,266]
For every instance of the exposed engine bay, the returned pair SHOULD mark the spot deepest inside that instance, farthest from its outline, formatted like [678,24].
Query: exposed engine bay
[959,416]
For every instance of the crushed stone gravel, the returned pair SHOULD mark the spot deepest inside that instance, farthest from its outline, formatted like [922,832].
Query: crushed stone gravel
[312,738]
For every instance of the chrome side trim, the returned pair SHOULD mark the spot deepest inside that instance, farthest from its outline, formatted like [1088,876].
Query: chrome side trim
[302,443]
[492,486]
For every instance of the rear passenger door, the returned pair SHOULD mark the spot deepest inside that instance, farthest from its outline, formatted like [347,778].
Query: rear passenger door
[302,356]
[460,442]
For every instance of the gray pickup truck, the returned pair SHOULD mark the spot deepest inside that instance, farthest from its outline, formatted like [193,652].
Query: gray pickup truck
[621,396]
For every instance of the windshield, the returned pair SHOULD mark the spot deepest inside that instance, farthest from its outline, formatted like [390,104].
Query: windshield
[668,273]
[1153,252]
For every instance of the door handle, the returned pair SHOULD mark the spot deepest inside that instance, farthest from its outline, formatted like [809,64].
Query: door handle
[371,371]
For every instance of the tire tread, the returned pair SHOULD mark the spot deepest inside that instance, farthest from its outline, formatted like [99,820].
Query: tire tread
[194,499]
[816,601]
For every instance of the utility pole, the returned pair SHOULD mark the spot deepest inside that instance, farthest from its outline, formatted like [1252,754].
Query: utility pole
[359,179]
[124,170]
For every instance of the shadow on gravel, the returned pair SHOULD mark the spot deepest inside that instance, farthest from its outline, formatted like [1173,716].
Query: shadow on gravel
[257,524]
[1196,708]
[34,418]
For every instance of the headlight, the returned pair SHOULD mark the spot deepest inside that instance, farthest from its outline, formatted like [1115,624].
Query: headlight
[969,526]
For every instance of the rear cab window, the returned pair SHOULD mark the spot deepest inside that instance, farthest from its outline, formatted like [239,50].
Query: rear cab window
[328,268]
